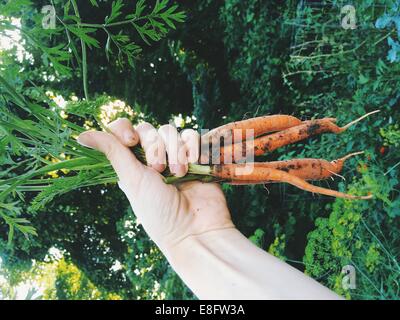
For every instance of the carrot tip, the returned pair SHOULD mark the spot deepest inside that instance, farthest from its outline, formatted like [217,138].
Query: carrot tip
[367,197]
[358,120]
[351,155]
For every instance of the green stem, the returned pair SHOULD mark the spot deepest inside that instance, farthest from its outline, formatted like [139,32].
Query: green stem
[27,188]
[114,24]
[84,57]
[84,70]
[384,37]
[325,55]
[200,169]
[188,178]
[17,97]
[76,164]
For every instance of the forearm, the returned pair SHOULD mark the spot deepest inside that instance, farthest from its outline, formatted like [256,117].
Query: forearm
[223,264]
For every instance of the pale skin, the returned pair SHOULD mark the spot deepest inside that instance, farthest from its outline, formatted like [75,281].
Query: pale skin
[190,222]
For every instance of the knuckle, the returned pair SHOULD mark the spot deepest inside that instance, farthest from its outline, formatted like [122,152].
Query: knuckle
[151,137]
[117,122]
[144,126]
[190,133]
[124,120]
[155,154]
[170,137]
[147,133]
[167,129]
[191,138]
[116,127]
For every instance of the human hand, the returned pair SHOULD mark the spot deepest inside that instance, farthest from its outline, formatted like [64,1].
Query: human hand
[191,223]
[168,213]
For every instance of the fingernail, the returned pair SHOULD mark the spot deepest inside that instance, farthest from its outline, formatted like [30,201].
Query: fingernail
[177,170]
[85,140]
[173,168]
[158,167]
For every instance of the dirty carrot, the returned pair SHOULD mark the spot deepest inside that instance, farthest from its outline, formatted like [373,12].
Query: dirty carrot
[260,125]
[309,169]
[271,142]
[230,172]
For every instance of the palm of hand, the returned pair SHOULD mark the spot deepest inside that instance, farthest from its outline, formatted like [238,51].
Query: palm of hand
[171,213]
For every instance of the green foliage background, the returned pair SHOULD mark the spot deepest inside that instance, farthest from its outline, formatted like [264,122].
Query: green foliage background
[230,60]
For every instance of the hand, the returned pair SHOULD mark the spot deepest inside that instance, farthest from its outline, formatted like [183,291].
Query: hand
[168,213]
[191,223]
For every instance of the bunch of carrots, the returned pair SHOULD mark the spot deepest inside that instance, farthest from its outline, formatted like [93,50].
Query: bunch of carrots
[271,133]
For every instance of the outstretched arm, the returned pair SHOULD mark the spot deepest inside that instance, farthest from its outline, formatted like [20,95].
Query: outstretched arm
[224,264]
[191,223]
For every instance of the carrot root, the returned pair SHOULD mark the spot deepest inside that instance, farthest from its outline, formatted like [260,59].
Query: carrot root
[268,143]
[308,168]
[260,125]
[267,175]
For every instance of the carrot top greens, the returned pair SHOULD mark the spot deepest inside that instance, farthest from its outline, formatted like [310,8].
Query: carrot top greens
[36,139]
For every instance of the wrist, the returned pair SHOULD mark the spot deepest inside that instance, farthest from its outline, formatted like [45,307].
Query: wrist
[178,252]
[210,263]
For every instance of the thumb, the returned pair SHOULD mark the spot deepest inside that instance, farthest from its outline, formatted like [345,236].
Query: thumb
[122,159]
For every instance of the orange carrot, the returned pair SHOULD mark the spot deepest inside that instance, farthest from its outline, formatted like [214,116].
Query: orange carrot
[310,169]
[231,173]
[269,143]
[307,169]
[260,125]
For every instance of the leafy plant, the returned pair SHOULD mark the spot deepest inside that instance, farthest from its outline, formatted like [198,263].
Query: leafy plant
[351,237]
[151,24]
[391,135]
[36,137]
